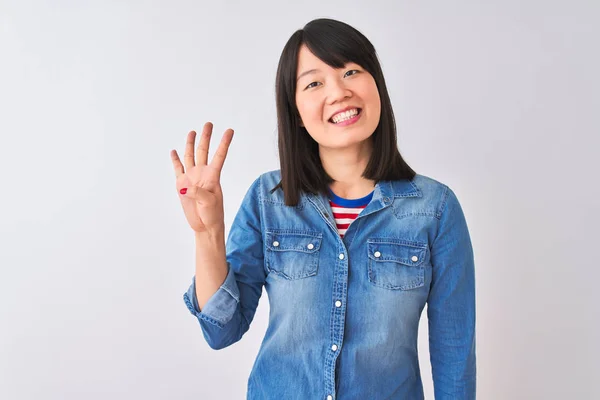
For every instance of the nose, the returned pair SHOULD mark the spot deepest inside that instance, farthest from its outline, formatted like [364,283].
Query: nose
[337,91]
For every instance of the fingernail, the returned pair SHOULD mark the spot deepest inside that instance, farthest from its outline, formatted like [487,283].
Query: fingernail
[183,191]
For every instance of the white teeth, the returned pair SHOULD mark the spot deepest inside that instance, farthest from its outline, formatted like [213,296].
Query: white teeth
[343,116]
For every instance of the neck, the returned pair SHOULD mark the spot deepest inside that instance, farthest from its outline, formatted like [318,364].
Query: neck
[346,166]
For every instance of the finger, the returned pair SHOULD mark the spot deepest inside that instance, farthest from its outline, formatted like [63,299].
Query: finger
[203,145]
[177,164]
[188,157]
[219,157]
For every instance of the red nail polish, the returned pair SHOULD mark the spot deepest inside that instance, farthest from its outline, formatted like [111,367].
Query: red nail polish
[183,191]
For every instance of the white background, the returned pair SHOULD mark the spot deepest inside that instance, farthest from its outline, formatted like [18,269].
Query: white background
[497,99]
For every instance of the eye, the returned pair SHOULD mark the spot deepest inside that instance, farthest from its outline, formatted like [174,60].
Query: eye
[310,85]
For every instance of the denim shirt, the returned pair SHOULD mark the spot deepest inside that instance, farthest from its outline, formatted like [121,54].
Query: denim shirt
[344,312]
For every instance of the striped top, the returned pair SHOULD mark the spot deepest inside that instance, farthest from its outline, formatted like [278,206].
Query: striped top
[346,210]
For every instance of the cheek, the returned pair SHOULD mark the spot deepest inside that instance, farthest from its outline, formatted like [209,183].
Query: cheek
[375,103]
[371,92]
[374,95]
[314,114]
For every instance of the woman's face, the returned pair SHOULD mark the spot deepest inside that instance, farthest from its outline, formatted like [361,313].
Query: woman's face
[322,93]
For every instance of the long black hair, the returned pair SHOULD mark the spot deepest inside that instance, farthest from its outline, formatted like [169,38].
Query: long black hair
[335,43]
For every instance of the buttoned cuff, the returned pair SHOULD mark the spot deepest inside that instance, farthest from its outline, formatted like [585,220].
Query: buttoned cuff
[221,306]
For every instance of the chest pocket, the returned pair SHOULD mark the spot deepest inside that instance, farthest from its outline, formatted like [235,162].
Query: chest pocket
[293,254]
[396,264]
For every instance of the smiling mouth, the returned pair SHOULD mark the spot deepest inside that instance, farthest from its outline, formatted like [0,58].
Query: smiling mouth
[331,120]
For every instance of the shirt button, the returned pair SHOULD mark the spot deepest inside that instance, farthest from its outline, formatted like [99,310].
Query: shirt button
[415,258]
[386,200]
[334,347]
[310,246]
[338,303]
[329,397]
[276,243]
[341,256]
[377,254]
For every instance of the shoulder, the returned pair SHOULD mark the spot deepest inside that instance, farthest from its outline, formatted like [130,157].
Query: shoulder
[434,192]
[261,189]
[428,183]
[270,179]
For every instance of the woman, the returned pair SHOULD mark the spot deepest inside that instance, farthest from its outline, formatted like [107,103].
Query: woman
[348,241]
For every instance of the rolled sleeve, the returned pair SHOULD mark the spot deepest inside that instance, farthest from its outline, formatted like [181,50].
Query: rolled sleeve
[221,306]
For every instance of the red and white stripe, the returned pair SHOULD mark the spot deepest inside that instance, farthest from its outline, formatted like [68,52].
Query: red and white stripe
[344,216]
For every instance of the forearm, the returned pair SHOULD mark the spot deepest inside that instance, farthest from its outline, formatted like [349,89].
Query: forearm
[211,264]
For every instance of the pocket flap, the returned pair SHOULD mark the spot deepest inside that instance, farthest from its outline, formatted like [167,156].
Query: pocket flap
[306,242]
[401,251]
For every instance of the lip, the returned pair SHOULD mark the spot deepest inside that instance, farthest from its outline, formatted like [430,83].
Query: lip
[342,110]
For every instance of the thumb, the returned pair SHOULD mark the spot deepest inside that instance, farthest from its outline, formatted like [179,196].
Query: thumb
[194,192]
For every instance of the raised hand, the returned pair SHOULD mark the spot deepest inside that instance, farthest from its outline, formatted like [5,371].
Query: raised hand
[203,200]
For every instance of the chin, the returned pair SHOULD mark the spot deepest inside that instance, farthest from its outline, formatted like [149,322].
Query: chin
[339,145]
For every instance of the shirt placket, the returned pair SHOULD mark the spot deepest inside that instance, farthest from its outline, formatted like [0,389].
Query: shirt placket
[340,289]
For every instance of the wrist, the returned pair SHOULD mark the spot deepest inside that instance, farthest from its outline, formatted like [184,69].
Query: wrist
[215,235]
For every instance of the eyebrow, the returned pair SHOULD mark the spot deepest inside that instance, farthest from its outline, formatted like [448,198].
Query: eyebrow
[310,71]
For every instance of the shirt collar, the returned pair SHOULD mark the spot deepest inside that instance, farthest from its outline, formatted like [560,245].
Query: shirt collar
[395,189]
[383,195]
